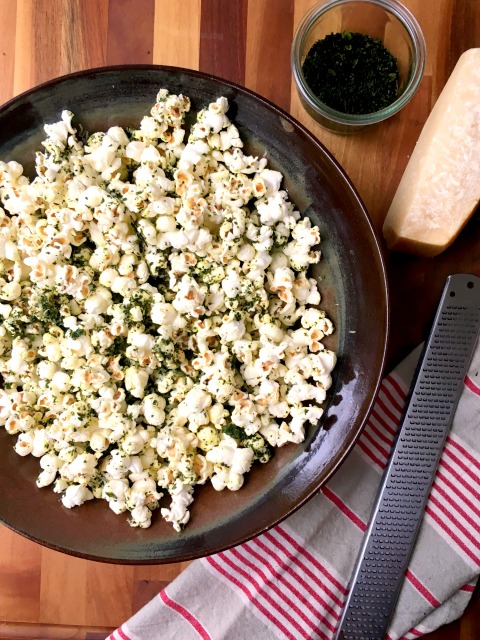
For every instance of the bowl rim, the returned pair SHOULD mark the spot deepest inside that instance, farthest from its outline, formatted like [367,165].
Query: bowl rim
[408,20]
[348,445]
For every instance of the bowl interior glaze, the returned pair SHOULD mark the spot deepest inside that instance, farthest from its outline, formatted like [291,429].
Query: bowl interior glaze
[351,279]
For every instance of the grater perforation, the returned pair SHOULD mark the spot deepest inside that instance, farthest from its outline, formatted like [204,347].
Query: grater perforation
[406,483]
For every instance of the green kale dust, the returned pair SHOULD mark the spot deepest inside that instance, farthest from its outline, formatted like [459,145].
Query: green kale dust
[352,73]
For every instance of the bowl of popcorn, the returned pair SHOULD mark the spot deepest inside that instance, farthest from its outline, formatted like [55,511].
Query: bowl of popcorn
[193,314]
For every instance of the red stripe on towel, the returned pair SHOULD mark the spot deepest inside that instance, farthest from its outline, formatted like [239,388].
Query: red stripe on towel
[316,596]
[415,633]
[395,393]
[281,593]
[393,423]
[470,384]
[122,634]
[381,431]
[251,597]
[186,614]
[451,534]
[461,448]
[328,493]
[311,558]
[451,516]
[363,446]
[441,477]
[287,563]
[457,477]
[246,577]
[368,436]
[421,588]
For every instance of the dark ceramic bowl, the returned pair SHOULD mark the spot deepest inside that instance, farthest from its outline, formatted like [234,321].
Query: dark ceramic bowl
[351,278]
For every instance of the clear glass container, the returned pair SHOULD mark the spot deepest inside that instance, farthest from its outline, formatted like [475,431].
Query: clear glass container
[388,20]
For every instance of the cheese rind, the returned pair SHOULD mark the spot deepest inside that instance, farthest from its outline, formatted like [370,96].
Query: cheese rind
[440,188]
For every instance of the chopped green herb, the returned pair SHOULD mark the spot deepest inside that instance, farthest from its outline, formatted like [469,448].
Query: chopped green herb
[262,451]
[77,333]
[49,308]
[352,72]
[233,431]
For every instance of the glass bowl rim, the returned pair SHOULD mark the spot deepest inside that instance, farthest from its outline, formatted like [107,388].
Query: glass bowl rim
[415,33]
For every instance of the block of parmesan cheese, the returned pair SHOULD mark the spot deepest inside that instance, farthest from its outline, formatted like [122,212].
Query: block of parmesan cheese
[440,188]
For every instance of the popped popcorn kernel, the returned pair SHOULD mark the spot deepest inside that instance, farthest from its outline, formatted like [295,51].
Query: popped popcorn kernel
[159,326]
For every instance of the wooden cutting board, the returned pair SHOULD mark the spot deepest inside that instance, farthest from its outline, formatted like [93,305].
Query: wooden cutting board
[45,594]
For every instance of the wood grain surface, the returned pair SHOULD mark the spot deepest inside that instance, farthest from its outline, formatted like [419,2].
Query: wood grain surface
[45,594]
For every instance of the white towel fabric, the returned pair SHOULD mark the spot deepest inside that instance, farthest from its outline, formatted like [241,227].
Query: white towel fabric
[291,582]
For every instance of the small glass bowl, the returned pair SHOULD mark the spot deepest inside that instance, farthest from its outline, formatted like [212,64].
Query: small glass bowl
[388,20]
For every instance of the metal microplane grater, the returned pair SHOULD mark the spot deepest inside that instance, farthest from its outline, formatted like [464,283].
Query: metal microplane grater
[405,487]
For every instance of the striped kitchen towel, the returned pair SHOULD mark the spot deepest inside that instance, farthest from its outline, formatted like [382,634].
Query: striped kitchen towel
[291,582]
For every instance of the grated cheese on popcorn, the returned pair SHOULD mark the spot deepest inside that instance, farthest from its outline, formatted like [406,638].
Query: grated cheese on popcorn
[158,325]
